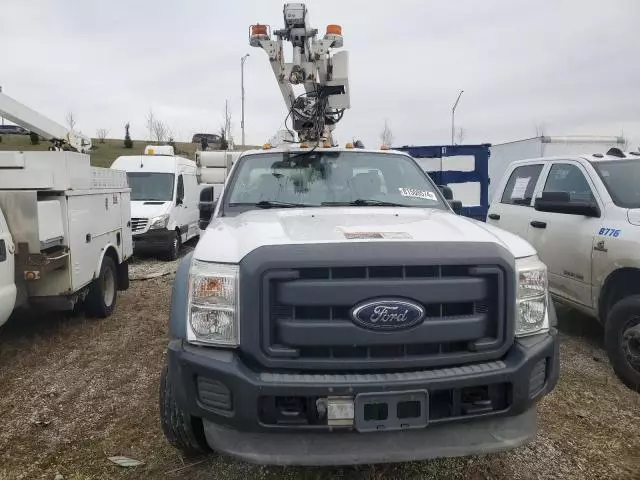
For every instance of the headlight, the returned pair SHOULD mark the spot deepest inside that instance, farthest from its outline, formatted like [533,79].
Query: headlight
[159,222]
[213,304]
[531,314]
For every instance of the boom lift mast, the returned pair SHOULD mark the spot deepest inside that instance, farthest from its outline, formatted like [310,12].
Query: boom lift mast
[30,119]
[324,74]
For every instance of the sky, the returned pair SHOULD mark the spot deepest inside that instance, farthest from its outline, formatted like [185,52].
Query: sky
[570,66]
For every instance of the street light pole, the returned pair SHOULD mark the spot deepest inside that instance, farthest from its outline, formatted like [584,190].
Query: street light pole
[453,117]
[242,60]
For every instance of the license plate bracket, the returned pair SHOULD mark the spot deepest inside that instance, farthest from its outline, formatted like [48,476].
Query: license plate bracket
[390,411]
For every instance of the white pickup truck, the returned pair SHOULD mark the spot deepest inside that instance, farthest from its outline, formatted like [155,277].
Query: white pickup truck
[582,215]
[65,233]
[336,303]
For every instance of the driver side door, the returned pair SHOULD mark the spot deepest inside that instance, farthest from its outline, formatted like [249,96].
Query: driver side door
[565,241]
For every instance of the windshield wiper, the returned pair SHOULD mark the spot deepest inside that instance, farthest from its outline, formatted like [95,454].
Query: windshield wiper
[361,202]
[271,204]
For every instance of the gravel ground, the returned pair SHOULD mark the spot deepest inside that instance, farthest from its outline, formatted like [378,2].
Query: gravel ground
[75,391]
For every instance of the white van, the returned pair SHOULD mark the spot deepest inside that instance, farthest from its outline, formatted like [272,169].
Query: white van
[164,199]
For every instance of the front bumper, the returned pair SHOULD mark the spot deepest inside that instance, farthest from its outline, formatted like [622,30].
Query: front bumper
[153,240]
[234,424]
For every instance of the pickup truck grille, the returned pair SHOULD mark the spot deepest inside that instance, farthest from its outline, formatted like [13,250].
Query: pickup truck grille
[138,224]
[305,321]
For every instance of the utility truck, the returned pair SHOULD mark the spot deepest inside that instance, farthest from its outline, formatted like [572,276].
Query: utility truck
[336,310]
[65,229]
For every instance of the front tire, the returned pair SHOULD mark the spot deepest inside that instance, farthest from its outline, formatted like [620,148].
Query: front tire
[103,292]
[174,248]
[180,429]
[622,340]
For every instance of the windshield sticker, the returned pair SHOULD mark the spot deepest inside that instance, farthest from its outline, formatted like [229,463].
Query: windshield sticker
[520,188]
[384,235]
[414,193]
[610,232]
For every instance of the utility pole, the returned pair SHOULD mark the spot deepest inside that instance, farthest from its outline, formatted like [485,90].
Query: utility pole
[453,117]
[242,60]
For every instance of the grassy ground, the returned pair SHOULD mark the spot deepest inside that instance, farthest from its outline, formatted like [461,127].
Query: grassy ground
[103,154]
[75,391]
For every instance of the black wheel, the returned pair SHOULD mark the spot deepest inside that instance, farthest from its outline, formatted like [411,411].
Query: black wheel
[181,429]
[103,292]
[622,340]
[174,248]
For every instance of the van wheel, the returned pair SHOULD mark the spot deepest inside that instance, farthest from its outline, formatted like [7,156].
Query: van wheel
[103,292]
[622,340]
[180,429]
[174,248]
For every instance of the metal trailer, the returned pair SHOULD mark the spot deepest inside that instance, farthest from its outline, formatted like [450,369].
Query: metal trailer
[464,168]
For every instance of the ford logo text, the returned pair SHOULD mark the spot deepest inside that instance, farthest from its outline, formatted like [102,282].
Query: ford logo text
[388,314]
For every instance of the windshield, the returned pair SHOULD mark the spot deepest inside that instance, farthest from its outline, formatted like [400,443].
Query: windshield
[151,187]
[328,178]
[621,177]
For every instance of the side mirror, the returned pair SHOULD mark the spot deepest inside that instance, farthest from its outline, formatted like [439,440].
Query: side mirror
[456,206]
[206,206]
[560,202]
[446,192]
[179,200]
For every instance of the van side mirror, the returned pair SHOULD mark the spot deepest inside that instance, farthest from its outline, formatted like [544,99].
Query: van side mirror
[456,206]
[560,202]
[446,192]
[206,206]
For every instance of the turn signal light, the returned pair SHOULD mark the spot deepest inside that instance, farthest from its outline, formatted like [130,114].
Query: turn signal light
[349,145]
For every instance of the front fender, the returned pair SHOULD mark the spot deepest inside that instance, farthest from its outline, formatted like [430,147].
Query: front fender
[179,300]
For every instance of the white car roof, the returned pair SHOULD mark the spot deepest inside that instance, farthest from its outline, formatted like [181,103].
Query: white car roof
[594,158]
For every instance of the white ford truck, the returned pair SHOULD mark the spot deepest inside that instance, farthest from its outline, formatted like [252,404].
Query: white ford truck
[337,311]
[582,215]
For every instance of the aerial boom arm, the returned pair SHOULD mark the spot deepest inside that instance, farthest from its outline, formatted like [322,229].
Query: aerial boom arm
[322,73]
[30,119]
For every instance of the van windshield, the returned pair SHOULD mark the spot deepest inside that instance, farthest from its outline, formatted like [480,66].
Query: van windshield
[330,178]
[621,177]
[147,186]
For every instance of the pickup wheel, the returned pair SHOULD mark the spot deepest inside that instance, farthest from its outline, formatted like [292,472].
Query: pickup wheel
[181,429]
[174,248]
[103,292]
[622,340]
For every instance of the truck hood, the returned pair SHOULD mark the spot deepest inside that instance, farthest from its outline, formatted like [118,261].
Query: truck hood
[148,209]
[230,239]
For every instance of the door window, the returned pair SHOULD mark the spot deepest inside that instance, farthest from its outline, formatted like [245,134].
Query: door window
[521,184]
[564,177]
[180,194]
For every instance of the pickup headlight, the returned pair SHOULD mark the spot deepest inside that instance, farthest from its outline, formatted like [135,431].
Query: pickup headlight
[531,313]
[213,304]
[159,222]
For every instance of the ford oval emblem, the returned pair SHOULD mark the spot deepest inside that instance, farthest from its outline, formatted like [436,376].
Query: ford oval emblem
[388,314]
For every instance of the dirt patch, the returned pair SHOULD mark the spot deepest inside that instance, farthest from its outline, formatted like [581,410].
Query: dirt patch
[75,391]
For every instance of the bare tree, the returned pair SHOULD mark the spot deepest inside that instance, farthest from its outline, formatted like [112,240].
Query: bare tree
[461,133]
[625,141]
[160,131]
[540,128]
[227,120]
[71,120]
[151,122]
[386,135]
[102,133]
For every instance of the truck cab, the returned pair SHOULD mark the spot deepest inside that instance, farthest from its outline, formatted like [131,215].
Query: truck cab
[336,301]
[164,199]
[582,215]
